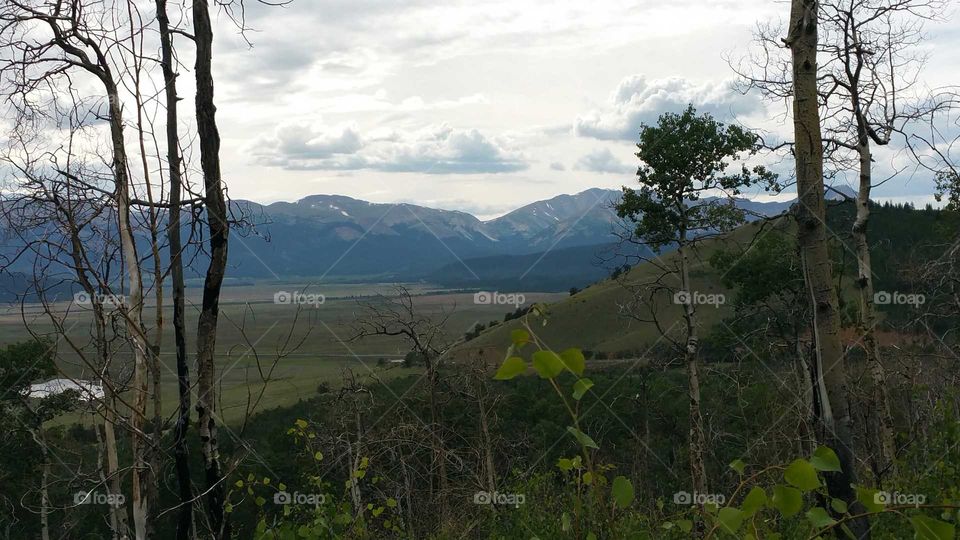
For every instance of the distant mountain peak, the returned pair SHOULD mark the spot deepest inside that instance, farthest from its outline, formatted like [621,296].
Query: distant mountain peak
[839,192]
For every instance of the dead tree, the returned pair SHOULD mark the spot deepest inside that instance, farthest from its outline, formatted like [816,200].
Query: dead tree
[397,315]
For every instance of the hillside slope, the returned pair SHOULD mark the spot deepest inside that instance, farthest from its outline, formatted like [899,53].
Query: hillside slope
[594,318]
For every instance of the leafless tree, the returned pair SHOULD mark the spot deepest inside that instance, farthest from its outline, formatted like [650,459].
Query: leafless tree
[397,315]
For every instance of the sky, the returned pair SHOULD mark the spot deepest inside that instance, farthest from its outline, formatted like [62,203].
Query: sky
[485,106]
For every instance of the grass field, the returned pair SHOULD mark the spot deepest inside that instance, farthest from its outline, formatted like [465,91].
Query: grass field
[294,347]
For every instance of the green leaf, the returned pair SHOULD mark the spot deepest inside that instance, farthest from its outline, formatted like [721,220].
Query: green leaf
[738,465]
[301,423]
[787,500]
[801,474]
[574,361]
[228,508]
[391,502]
[520,337]
[685,525]
[588,478]
[868,498]
[622,491]
[591,536]
[754,501]
[239,483]
[730,519]
[580,388]
[825,459]
[819,517]
[318,456]
[565,522]
[582,437]
[565,464]
[928,528]
[547,364]
[511,367]
[839,506]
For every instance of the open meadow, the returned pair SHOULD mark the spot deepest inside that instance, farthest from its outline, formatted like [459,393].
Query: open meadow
[271,354]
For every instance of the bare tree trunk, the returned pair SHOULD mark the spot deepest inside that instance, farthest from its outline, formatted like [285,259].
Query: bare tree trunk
[487,441]
[133,310]
[834,413]
[152,446]
[879,416]
[697,442]
[807,405]
[181,452]
[216,210]
[439,457]
[40,438]
[118,514]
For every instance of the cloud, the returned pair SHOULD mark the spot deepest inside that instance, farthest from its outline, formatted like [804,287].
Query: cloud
[300,142]
[557,166]
[433,150]
[602,161]
[637,101]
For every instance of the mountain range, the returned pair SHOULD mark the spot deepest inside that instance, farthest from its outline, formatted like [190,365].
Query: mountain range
[552,244]
[335,236]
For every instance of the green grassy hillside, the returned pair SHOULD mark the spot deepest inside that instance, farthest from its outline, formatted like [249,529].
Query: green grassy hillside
[594,319]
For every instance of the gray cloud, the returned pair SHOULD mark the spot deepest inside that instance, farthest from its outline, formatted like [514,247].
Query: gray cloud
[602,160]
[637,101]
[434,150]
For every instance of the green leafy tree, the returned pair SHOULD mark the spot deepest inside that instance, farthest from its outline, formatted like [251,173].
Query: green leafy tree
[685,196]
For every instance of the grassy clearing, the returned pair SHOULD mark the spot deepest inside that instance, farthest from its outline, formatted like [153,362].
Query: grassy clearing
[297,348]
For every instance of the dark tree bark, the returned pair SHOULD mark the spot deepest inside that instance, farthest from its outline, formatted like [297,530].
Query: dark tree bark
[216,213]
[181,451]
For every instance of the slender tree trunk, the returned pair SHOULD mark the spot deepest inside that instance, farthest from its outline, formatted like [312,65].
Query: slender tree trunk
[107,439]
[216,210]
[487,441]
[806,396]
[439,457]
[697,442]
[40,437]
[118,513]
[834,413]
[133,309]
[181,451]
[879,414]
[152,447]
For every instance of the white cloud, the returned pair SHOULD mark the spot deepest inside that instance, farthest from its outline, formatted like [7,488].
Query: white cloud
[602,160]
[637,101]
[432,150]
